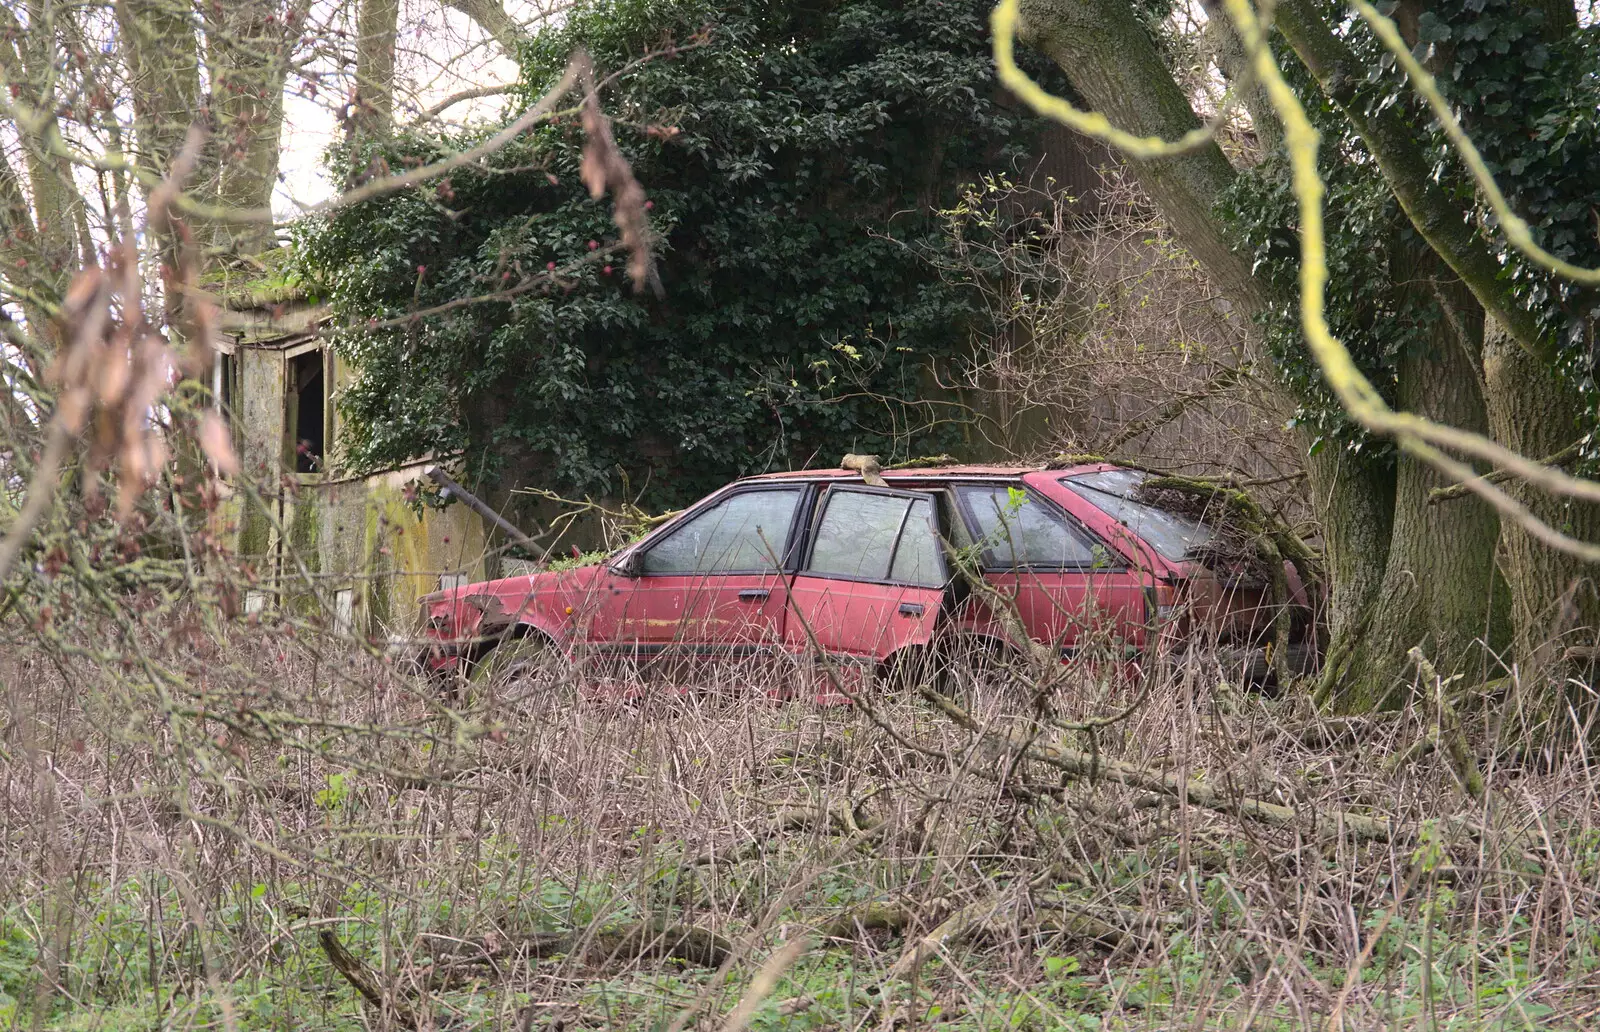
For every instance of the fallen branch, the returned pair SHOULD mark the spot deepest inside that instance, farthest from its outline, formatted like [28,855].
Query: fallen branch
[1448,733]
[953,929]
[982,917]
[361,978]
[657,939]
[1094,767]
[1564,457]
[799,819]
[1323,732]
[888,917]
[688,943]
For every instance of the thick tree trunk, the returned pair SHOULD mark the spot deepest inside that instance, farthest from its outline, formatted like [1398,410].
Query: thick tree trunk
[1441,590]
[375,30]
[247,44]
[163,58]
[1555,598]
[164,78]
[1354,500]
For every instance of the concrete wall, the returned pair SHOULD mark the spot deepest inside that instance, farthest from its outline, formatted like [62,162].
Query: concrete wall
[320,536]
[365,536]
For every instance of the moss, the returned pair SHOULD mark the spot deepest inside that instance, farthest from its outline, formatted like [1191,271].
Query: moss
[305,532]
[380,574]
[255,528]
[257,281]
[927,462]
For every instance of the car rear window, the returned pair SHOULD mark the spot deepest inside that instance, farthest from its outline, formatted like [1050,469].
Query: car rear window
[877,537]
[1116,493]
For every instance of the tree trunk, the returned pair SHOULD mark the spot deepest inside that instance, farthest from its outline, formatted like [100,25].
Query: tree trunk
[1228,50]
[1354,500]
[247,44]
[492,17]
[1112,62]
[163,60]
[164,78]
[1407,168]
[31,71]
[1555,603]
[1114,65]
[374,103]
[19,252]
[1440,589]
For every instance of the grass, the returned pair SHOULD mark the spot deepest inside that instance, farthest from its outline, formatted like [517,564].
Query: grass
[526,858]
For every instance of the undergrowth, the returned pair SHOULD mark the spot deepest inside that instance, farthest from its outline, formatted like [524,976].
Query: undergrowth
[550,851]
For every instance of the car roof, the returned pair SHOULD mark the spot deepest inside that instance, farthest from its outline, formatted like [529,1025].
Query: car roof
[926,472]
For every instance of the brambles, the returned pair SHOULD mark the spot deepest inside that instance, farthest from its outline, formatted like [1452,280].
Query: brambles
[926,872]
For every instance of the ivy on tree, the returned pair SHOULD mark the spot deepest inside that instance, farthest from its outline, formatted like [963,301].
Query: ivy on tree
[794,156]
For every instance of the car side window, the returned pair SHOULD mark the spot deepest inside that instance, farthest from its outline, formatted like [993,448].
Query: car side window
[739,534]
[916,560]
[1017,530]
[877,537]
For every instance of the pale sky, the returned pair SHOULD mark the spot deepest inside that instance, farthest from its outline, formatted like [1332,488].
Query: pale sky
[440,51]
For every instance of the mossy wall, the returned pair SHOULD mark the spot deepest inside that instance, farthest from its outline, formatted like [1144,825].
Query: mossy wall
[363,535]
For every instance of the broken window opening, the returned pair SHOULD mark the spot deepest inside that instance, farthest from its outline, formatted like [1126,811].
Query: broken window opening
[307,399]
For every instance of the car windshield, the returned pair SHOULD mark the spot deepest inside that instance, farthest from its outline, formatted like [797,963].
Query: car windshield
[1115,492]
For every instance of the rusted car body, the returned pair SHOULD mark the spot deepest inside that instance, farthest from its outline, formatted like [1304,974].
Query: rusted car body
[821,562]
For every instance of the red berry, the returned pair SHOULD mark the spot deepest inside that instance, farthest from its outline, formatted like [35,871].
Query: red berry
[593,244]
[606,270]
[550,265]
[649,204]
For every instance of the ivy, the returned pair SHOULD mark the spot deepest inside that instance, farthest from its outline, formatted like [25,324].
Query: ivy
[1529,93]
[1530,97]
[794,156]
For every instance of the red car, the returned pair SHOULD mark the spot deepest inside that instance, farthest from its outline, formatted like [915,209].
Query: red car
[776,564]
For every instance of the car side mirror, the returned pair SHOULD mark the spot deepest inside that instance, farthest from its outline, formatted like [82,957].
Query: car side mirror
[628,566]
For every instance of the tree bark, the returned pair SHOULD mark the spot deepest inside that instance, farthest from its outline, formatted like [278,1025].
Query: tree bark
[163,59]
[19,252]
[1113,63]
[1555,603]
[492,17]
[1440,589]
[30,59]
[1354,500]
[374,95]
[247,51]
[1228,50]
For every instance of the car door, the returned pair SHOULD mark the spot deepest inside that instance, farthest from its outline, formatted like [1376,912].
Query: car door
[1070,589]
[873,579]
[708,585]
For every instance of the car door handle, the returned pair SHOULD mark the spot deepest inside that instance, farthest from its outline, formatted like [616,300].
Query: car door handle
[754,595]
[911,609]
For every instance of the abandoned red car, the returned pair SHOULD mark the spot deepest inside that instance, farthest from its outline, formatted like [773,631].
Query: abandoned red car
[796,563]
